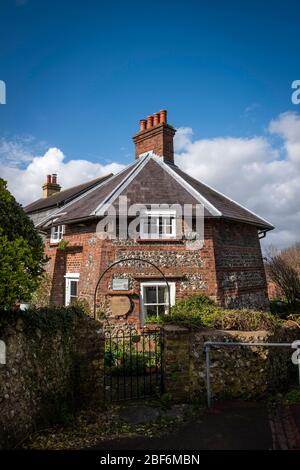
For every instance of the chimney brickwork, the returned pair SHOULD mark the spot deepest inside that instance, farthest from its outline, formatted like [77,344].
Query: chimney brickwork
[157,135]
[51,186]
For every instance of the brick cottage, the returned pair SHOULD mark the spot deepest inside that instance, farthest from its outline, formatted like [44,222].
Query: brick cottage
[228,267]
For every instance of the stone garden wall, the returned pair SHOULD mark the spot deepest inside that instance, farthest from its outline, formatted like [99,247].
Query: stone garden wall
[243,372]
[51,368]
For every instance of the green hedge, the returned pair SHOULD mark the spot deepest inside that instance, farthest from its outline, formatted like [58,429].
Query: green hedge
[201,311]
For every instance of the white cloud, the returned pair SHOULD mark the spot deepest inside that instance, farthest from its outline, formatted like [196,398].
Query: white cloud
[252,171]
[15,152]
[26,183]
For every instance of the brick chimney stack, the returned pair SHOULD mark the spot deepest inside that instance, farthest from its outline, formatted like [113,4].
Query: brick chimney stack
[157,135]
[51,186]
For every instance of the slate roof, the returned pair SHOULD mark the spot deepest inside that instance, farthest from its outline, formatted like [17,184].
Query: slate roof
[151,180]
[63,197]
[229,208]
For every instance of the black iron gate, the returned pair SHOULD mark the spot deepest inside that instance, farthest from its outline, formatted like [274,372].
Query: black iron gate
[133,365]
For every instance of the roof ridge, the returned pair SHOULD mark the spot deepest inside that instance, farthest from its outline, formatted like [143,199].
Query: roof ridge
[58,211]
[82,184]
[58,194]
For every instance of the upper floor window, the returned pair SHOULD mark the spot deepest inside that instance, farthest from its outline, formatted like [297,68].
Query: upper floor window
[57,233]
[158,225]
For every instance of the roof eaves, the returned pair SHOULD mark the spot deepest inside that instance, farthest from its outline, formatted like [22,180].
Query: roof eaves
[241,206]
[261,226]
[264,221]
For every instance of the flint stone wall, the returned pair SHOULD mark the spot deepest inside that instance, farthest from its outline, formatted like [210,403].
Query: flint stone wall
[45,371]
[244,372]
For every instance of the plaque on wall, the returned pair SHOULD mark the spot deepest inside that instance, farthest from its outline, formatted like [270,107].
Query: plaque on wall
[120,305]
[119,283]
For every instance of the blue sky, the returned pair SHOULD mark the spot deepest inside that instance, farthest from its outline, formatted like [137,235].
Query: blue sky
[80,74]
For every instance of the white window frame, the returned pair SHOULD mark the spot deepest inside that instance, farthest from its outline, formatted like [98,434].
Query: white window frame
[70,277]
[165,214]
[57,233]
[143,285]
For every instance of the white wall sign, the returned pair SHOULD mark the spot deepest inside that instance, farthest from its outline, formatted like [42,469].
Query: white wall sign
[119,283]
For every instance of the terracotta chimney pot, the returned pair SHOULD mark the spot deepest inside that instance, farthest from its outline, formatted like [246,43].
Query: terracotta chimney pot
[143,124]
[156,119]
[149,122]
[51,186]
[163,116]
[157,137]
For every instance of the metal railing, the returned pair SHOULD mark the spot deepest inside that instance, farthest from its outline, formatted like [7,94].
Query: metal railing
[220,344]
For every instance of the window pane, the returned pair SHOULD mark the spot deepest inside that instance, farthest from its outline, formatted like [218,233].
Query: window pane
[161,309]
[150,295]
[73,288]
[158,226]
[152,225]
[57,232]
[151,310]
[161,294]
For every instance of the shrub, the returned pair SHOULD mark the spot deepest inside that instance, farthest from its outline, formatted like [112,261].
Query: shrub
[22,253]
[41,296]
[82,304]
[285,276]
[201,311]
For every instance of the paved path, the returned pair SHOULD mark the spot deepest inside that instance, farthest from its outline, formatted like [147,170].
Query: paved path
[285,426]
[231,425]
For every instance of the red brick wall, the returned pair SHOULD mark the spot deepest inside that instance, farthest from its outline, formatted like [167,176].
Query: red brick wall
[228,268]
[239,265]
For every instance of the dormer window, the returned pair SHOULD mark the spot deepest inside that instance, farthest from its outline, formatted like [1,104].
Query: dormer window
[57,233]
[158,225]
